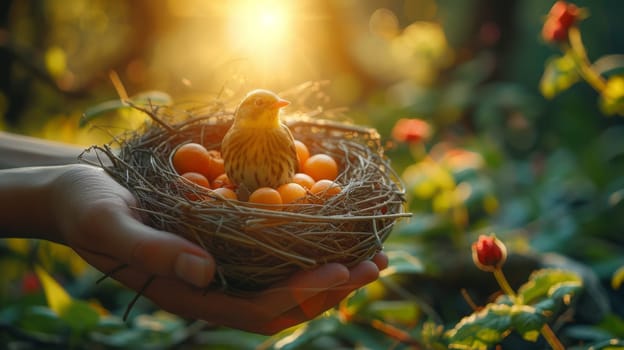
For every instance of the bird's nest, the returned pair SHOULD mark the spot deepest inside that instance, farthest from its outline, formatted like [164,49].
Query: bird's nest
[255,247]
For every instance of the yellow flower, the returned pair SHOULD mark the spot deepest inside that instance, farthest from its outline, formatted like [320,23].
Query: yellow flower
[612,97]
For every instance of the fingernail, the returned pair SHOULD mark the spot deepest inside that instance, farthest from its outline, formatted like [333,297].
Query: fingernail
[340,277]
[193,269]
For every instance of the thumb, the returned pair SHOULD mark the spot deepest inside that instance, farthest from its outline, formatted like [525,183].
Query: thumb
[120,235]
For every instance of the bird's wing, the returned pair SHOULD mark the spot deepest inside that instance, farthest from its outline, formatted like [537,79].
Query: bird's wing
[291,145]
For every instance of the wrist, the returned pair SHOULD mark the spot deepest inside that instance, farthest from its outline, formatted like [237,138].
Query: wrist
[23,151]
[27,207]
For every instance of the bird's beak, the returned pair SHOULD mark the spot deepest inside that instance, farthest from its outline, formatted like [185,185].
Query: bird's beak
[280,103]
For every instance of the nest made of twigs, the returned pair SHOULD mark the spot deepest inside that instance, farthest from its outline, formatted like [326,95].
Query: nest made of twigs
[253,246]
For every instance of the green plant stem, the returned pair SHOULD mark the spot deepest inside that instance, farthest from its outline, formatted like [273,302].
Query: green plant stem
[546,331]
[418,151]
[551,337]
[578,50]
[502,282]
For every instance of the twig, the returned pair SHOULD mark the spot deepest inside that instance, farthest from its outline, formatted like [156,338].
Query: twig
[469,300]
[151,114]
[137,296]
[111,273]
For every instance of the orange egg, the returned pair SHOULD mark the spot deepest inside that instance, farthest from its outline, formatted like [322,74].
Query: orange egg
[266,195]
[321,167]
[197,179]
[325,188]
[222,181]
[191,157]
[302,153]
[291,192]
[215,165]
[305,180]
[225,193]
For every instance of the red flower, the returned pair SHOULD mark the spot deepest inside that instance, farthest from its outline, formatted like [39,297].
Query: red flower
[30,283]
[489,253]
[411,130]
[561,17]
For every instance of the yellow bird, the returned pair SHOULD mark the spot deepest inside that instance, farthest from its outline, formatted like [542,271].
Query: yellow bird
[259,150]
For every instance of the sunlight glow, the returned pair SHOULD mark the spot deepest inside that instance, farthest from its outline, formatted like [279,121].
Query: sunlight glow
[259,27]
[267,42]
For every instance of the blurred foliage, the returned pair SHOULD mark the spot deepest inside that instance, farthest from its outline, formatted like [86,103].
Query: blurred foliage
[518,142]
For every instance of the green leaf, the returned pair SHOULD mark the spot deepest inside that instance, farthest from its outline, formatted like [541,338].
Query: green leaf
[547,289]
[610,344]
[432,333]
[560,73]
[363,337]
[356,301]
[425,226]
[160,329]
[127,338]
[546,306]
[101,109]
[79,315]
[542,281]
[41,319]
[613,324]
[481,329]
[394,310]
[299,337]
[401,262]
[110,323]
[565,291]
[618,278]
[9,314]
[228,339]
[586,333]
[156,98]
[159,321]
[527,321]
[609,64]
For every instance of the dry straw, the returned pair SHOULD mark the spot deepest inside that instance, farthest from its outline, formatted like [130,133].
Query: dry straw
[254,246]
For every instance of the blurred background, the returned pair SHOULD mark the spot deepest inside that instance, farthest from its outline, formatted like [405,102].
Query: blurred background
[483,139]
[407,56]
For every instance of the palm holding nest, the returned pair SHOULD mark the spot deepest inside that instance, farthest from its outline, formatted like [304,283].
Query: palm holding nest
[84,208]
[259,150]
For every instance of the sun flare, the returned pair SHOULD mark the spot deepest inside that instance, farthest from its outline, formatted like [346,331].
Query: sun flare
[259,27]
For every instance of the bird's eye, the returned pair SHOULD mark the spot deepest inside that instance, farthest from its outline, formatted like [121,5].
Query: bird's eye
[259,102]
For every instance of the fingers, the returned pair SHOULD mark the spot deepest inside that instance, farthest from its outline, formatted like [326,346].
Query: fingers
[257,314]
[302,286]
[381,260]
[362,274]
[183,299]
[170,294]
[313,290]
[96,216]
[157,252]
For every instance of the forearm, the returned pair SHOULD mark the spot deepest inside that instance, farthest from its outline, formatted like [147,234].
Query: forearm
[26,208]
[20,151]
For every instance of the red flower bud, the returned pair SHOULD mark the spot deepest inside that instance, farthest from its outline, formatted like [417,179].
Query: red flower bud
[554,32]
[489,253]
[564,13]
[561,17]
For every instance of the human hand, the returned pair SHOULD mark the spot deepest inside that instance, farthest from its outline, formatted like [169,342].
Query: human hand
[94,217]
